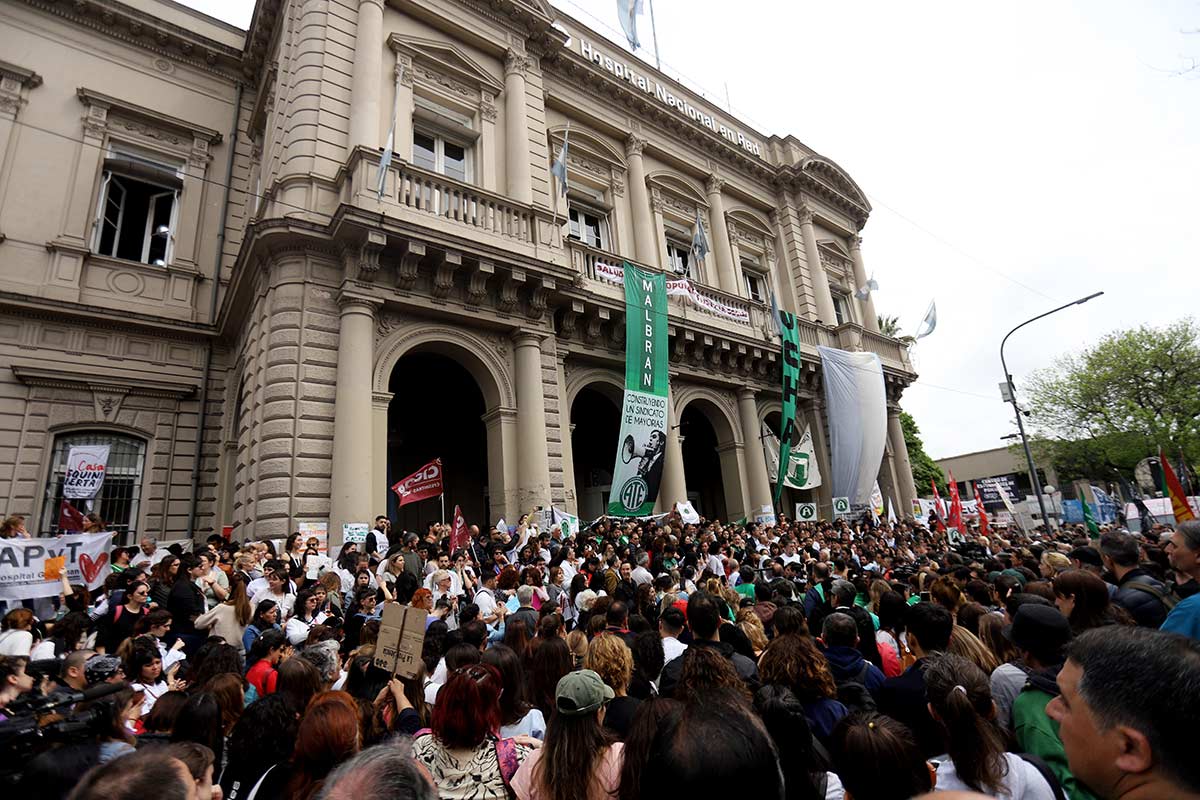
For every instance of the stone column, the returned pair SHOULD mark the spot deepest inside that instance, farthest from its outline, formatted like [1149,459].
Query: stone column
[501,426]
[351,473]
[816,270]
[486,152]
[402,145]
[365,83]
[756,461]
[380,480]
[673,488]
[644,248]
[727,271]
[870,320]
[782,268]
[533,463]
[824,492]
[516,134]
[904,477]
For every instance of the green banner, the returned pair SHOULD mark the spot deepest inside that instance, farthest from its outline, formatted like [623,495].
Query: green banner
[641,446]
[790,334]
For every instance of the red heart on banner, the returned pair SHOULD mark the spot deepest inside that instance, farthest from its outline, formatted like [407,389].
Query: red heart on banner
[90,568]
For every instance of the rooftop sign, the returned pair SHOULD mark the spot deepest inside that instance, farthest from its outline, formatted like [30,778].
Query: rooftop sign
[665,96]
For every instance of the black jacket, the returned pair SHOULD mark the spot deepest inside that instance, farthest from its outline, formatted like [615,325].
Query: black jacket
[747,670]
[903,699]
[185,603]
[1145,608]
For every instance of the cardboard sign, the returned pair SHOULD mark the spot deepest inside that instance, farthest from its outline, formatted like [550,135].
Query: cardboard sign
[355,532]
[55,568]
[401,638]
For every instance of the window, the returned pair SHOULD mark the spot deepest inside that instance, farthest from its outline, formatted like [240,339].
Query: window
[841,308]
[588,226]
[120,494]
[756,286]
[436,153]
[136,215]
[681,260]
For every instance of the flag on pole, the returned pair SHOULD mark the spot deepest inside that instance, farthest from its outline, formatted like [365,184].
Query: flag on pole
[460,536]
[956,520]
[627,12]
[776,328]
[865,290]
[423,484]
[70,518]
[1174,490]
[1089,519]
[983,518]
[389,147]
[938,505]
[699,240]
[559,169]
[929,323]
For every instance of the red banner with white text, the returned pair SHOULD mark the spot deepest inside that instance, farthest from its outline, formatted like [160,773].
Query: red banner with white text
[421,485]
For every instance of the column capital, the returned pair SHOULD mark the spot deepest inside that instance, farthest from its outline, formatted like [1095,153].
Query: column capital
[357,304]
[381,399]
[378,3]
[403,71]
[714,184]
[746,393]
[498,415]
[528,338]
[515,63]
[805,213]
[634,145]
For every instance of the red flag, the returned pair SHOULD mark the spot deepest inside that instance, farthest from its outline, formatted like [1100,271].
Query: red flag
[421,485]
[460,537]
[983,520]
[1179,502]
[939,506]
[70,518]
[956,520]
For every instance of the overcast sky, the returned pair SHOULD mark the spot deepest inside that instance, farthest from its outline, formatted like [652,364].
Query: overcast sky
[1049,142]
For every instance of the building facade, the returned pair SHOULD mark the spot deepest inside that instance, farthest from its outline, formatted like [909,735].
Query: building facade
[202,265]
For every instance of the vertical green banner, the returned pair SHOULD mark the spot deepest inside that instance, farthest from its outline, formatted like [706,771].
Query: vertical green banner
[642,443]
[790,333]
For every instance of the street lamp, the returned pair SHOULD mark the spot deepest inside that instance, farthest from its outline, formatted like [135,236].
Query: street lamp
[1012,398]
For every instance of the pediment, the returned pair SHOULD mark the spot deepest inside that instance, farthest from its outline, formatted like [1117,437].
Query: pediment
[836,178]
[446,58]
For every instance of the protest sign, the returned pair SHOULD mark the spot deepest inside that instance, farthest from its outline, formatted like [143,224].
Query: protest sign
[355,532]
[806,512]
[841,506]
[24,563]
[315,530]
[401,638]
[86,465]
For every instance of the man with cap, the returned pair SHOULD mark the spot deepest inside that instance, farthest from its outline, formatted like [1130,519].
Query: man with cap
[1183,551]
[576,739]
[103,669]
[1041,634]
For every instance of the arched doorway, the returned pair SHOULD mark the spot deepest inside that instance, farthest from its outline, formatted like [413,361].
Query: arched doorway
[711,459]
[437,411]
[595,423]
[790,496]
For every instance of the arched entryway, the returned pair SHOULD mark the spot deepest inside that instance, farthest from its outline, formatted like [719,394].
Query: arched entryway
[437,411]
[710,460]
[595,426]
[790,496]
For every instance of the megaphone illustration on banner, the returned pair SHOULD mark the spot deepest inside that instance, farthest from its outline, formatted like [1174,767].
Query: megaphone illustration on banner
[628,449]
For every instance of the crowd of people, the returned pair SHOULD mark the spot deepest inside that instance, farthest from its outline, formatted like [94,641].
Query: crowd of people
[633,659]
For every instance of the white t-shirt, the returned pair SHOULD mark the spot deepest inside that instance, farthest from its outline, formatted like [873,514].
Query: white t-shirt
[672,648]
[285,603]
[148,560]
[1022,782]
[16,643]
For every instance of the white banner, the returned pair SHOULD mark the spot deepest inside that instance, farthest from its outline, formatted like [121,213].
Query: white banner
[680,287]
[86,465]
[802,472]
[688,513]
[24,564]
[857,406]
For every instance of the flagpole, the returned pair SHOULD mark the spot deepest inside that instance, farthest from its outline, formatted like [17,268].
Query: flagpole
[442,496]
[654,36]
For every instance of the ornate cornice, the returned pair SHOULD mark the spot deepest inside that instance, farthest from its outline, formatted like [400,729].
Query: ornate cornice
[144,30]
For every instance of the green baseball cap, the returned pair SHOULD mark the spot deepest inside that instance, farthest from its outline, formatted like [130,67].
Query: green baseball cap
[581,692]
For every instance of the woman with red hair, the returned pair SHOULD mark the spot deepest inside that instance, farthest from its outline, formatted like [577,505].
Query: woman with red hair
[328,735]
[463,752]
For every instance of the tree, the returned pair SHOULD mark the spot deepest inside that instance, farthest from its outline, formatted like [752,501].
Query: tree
[924,468]
[1107,407]
[890,326]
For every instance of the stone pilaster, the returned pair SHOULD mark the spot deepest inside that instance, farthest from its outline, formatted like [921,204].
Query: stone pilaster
[350,495]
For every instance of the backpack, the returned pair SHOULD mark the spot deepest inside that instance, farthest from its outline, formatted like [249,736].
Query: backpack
[1168,599]
[852,692]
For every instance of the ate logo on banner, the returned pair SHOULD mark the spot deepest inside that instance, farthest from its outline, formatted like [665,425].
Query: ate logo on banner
[806,512]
